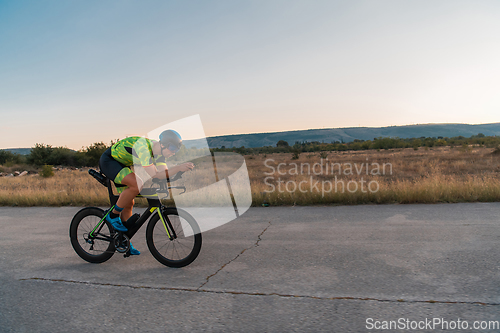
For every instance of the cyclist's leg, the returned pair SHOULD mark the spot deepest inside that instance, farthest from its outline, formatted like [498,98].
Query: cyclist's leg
[123,175]
[127,211]
[126,199]
[116,171]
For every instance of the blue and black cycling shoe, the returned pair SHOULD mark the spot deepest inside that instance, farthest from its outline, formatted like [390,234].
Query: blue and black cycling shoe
[116,223]
[134,251]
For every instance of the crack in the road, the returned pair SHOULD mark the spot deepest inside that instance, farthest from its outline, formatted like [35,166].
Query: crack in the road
[237,256]
[230,292]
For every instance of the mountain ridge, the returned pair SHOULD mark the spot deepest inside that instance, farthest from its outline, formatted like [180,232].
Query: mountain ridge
[349,134]
[341,134]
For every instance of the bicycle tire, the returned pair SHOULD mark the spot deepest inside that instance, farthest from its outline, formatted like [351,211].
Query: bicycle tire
[178,252]
[96,250]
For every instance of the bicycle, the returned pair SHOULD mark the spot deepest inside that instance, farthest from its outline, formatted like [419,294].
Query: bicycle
[172,235]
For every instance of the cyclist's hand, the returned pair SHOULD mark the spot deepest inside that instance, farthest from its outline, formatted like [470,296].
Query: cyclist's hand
[185,166]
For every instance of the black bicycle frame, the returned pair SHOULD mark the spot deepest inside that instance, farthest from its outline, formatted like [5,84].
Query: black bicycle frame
[153,205]
[136,221]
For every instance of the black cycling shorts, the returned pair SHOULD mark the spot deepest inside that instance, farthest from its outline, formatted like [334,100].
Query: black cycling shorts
[113,169]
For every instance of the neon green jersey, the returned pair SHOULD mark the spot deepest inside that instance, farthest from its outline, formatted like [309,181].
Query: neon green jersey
[136,150]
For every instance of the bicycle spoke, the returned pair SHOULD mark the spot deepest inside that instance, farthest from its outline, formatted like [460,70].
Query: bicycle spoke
[99,242]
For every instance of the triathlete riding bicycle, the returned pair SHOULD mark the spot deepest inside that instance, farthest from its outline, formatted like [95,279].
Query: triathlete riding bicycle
[151,155]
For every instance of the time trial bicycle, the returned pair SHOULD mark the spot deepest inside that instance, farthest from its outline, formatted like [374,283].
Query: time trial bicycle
[172,235]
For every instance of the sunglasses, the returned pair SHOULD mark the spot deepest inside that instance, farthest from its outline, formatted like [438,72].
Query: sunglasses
[173,148]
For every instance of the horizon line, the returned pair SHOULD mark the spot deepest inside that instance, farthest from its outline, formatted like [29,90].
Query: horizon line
[329,128]
[299,130]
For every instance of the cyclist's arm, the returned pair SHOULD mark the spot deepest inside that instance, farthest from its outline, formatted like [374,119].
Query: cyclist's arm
[178,168]
[151,170]
[164,172]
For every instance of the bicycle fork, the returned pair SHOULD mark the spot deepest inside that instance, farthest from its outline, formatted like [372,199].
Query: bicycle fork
[166,224]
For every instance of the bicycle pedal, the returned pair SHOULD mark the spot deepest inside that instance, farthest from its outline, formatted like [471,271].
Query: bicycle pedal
[126,255]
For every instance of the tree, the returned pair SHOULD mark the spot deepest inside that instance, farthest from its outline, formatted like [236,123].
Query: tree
[93,153]
[9,157]
[62,156]
[282,143]
[40,154]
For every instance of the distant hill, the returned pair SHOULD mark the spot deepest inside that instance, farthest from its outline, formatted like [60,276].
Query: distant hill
[348,134]
[351,133]
[20,151]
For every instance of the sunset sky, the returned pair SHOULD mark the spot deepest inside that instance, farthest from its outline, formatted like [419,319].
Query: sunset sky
[77,72]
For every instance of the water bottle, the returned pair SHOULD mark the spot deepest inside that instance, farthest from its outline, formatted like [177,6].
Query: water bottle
[98,176]
[130,222]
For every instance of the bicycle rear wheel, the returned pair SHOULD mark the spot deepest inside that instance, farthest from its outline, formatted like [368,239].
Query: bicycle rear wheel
[184,248]
[97,248]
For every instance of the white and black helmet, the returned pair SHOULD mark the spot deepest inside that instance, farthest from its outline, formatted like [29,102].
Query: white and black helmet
[171,140]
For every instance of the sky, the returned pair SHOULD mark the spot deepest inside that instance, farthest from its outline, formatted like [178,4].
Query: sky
[77,72]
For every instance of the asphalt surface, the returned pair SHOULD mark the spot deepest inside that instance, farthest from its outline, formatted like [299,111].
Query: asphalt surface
[285,269]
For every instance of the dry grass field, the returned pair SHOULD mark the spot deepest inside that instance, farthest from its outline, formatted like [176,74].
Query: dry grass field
[435,175]
[390,176]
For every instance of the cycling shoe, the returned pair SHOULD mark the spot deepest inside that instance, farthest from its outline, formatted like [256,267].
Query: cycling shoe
[134,251]
[116,223]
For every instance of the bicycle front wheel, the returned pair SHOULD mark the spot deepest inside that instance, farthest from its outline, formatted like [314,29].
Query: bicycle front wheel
[96,247]
[184,243]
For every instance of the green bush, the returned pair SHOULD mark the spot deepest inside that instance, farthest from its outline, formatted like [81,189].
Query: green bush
[43,154]
[46,171]
[62,156]
[40,154]
[295,154]
[93,153]
[465,148]
[282,143]
[11,158]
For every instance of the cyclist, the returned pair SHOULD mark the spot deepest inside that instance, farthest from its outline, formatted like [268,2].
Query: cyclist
[115,163]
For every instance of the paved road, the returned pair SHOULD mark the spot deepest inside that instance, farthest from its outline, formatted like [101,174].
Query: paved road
[301,269]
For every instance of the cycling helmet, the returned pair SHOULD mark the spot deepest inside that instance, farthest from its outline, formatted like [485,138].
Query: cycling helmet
[171,139]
